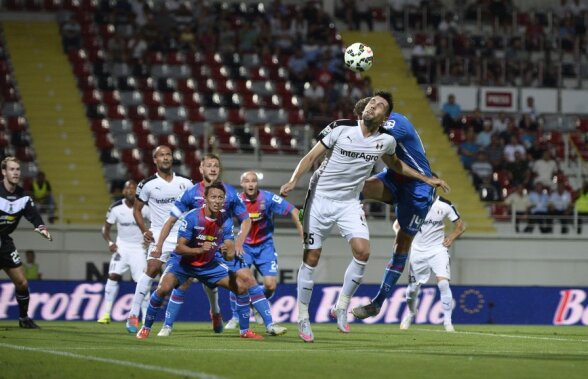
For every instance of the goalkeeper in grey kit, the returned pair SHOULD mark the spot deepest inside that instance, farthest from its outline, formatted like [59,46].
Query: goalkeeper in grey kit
[15,203]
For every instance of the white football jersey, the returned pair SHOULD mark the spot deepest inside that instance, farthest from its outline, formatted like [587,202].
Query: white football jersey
[432,233]
[127,230]
[350,160]
[160,196]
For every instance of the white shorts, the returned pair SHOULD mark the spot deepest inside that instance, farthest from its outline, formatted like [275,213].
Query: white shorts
[421,265]
[321,213]
[169,245]
[128,258]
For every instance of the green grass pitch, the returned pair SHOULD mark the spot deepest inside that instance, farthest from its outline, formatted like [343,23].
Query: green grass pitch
[90,350]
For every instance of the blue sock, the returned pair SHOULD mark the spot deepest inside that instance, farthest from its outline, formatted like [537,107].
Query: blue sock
[391,275]
[154,306]
[261,304]
[173,306]
[233,301]
[243,312]
[268,294]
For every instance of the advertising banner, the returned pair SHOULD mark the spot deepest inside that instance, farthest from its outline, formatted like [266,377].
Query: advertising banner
[79,301]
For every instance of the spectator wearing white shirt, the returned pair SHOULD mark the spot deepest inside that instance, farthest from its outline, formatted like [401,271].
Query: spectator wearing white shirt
[512,147]
[539,198]
[561,207]
[519,204]
[545,169]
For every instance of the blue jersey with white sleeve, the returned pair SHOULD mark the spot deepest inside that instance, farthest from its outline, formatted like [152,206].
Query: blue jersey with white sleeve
[409,146]
[412,197]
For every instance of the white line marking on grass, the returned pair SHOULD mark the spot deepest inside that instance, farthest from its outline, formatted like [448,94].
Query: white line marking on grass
[184,373]
[501,335]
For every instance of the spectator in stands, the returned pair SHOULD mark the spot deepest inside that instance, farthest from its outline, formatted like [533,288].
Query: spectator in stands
[520,172]
[545,169]
[513,147]
[567,32]
[71,34]
[485,136]
[576,8]
[43,196]
[476,121]
[31,267]
[495,152]
[248,37]
[137,45]
[561,207]
[539,198]
[481,169]
[510,130]
[519,203]
[117,49]
[299,28]
[581,207]
[298,69]
[448,25]
[468,150]
[397,14]
[531,110]
[313,101]
[534,33]
[363,13]
[499,123]
[324,76]
[536,150]
[451,113]
[282,37]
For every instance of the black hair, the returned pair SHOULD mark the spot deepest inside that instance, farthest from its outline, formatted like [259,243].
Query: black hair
[388,97]
[217,185]
[360,106]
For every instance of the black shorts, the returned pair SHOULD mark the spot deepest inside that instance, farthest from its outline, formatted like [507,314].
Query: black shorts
[9,257]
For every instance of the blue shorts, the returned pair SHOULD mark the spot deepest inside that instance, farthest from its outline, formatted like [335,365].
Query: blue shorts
[209,274]
[236,264]
[412,198]
[263,256]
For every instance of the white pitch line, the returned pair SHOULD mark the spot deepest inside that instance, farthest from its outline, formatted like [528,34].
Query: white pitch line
[501,335]
[184,373]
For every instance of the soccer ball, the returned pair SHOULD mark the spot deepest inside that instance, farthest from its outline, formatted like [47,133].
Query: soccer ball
[358,57]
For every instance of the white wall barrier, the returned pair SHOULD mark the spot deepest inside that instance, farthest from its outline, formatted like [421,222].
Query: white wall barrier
[476,259]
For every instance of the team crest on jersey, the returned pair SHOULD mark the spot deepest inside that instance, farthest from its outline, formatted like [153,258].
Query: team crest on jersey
[183,224]
[389,124]
[379,146]
[277,199]
[324,132]
[182,186]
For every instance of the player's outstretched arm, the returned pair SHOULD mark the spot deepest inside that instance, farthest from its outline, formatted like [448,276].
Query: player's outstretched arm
[303,166]
[295,214]
[402,168]
[458,229]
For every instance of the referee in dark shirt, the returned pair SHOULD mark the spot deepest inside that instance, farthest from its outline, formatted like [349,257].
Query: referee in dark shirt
[14,203]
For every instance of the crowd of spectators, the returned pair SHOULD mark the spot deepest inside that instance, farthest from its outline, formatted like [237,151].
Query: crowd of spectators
[494,43]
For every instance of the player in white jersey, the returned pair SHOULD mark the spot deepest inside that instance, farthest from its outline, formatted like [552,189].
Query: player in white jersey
[333,198]
[429,253]
[159,191]
[128,252]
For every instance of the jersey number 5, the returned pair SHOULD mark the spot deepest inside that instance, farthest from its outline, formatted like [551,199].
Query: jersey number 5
[308,238]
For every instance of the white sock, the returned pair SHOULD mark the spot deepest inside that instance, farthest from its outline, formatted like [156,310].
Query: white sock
[446,300]
[110,293]
[412,294]
[212,299]
[304,286]
[144,306]
[141,291]
[351,281]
